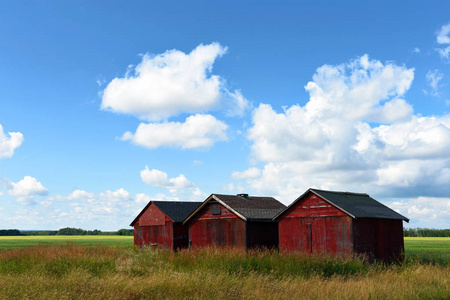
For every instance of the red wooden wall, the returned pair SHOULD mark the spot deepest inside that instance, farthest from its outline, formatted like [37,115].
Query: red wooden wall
[225,229]
[315,226]
[379,238]
[154,228]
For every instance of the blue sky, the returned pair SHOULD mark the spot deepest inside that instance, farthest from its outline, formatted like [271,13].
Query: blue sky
[105,105]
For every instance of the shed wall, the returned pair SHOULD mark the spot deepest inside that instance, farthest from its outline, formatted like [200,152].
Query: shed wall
[224,229]
[315,226]
[154,228]
[379,238]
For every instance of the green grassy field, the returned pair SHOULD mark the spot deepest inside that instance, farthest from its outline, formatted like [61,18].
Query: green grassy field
[109,267]
[13,242]
[427,244]
[412,244]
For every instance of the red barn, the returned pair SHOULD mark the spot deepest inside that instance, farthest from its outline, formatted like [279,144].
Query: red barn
[235,220]
[160,224]
[341,223]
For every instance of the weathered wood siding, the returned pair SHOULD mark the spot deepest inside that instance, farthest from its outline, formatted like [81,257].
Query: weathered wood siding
[224,229]
[154,228]
[315,226]
[379,238]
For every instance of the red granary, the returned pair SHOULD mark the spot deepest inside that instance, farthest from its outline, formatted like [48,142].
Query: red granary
[341,223]
[236,221]
[160,224]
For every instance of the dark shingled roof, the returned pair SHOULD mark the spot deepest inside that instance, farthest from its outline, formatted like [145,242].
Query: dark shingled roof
[358,205]
[176,210]
[253,208]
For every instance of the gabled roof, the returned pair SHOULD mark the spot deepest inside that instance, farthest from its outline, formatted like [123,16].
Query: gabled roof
[248,208]
[176,210]
[356,205]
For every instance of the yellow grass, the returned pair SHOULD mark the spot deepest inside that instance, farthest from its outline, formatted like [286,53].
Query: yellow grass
[75,272]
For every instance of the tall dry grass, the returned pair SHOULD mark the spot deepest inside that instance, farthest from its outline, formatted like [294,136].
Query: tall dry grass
[76,272]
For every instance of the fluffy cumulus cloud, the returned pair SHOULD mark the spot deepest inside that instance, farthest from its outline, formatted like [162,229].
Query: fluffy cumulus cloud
[355,133]
[179,188]
[171,83]
[198,131]
[9,144]
[25,189]
[443,39]
[160,179]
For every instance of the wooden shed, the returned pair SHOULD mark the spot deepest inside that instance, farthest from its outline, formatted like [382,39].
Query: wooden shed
[341,223]
[160,224]
[236,221]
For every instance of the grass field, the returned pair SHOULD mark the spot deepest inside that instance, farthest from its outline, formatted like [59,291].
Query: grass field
[72,271]
[14,242]
[427,244]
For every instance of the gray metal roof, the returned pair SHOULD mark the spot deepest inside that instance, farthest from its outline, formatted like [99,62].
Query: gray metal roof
[252,208]
[358,205]
[176,210]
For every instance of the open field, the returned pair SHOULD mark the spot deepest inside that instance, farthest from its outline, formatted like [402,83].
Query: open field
[427,244]
[433,250]
[71,271]
[13,242]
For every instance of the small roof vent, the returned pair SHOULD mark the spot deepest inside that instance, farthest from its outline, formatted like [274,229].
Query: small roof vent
[243,195]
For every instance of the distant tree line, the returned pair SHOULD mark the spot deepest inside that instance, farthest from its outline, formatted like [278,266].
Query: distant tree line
[9,232]
[425,232]
[407,232]
[65,231]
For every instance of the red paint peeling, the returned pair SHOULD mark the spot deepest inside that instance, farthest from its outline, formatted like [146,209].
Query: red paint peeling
[156,229]
[314,225]
[227,229]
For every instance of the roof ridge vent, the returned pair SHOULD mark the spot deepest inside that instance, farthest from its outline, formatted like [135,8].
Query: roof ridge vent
[243,195]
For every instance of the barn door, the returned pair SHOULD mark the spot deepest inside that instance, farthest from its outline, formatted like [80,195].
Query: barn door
[319,235]
[315,235]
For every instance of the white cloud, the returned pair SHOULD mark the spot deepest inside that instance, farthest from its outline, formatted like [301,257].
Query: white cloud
[110,210]
[416,50]
[432,211]
[443,35]
[433,78]
[192,194]
[419,137]
[443,38]
[80,195]
[143,199]
[355,133]
[444,52]
[118,195]
[249,173]
[179,188]
[199,131]
[160,179]
[236,103]
[25,189]
[9,144]
[171,83]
